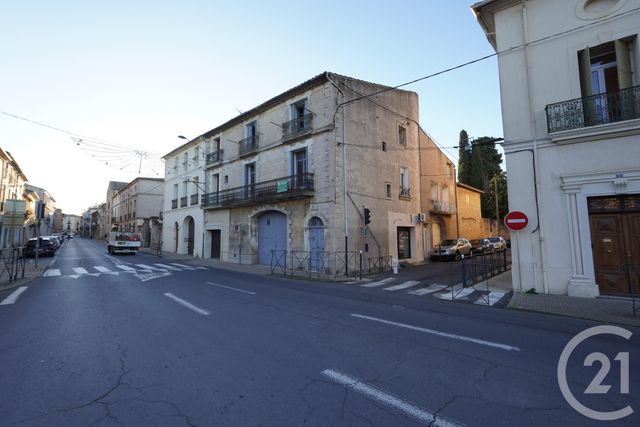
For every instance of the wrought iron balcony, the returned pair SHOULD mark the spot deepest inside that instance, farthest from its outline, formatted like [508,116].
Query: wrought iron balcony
[297,126]
[194,199]
[439,207]
[214,157]
[594,110]
[183,201]
[405,193]
[174,203]
[288,187]
[248,145]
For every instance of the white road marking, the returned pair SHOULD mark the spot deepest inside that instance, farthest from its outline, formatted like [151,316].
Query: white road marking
[167,267]
[201,268]
[379,282]
[187,304]
[52,272]
[233,289]
[439,333]
[434,287]
[388,399]
[186,267]
[145,276]
[457,295]
[11,299]
[80,270]
[405,285]
[493,298]
[150,267]
[126,268]
[105,270]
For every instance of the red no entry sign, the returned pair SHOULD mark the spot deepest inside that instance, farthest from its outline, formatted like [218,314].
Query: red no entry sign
[516,221]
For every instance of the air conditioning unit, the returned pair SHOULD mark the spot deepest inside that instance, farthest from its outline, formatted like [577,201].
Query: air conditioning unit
[421,217]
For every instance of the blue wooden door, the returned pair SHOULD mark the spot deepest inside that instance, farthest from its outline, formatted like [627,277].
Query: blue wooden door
[272,235]
[316,243]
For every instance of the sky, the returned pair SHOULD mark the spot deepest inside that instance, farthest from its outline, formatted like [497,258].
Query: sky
[139,73]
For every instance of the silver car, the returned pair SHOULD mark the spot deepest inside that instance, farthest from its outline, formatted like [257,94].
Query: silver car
[452,249]
[499,244]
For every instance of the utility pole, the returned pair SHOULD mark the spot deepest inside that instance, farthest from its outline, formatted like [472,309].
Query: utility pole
[497,211]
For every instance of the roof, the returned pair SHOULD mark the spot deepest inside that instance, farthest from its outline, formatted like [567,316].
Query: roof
[321,78]
[470,188]
[14,163]
[484,12]
[116,185]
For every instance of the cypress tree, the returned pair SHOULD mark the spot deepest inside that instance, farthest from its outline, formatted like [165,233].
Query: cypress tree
[464,158]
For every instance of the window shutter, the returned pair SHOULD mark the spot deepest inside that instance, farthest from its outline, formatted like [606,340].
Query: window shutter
[624,64]
[584,59]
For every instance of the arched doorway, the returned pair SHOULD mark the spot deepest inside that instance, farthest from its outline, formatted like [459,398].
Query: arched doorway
[176,234]
[316,242]
[188,228]
[272,235]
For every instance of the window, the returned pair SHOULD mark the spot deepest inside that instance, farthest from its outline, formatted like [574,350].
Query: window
[402,136]
[249,179]
[176,162]
[387,191]
[185,160]
[175,191]
[226,179]
[299,167]
[196,184]
[384,146]
[404,183]
[196,156]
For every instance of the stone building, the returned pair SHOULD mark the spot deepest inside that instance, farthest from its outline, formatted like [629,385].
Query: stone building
[112,189]
[296,172]
[570,89]
[136,205]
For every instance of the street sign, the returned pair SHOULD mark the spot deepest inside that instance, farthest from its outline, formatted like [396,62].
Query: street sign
[516,221]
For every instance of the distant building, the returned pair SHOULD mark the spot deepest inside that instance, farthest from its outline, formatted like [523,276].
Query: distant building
[137,206]
[72,223]
[112,189]
[46,223]
[58,221]
[12,181]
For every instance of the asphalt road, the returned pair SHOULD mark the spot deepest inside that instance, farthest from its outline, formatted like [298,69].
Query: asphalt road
[105,340]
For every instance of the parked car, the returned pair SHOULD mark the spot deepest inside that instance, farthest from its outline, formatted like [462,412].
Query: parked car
[45,248]
[481,246]
[499,244]
[54,239]
[452,249]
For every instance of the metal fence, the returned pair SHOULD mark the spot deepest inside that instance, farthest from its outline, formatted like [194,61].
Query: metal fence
[326,264]
[12,265]
[633,271]
[472,271]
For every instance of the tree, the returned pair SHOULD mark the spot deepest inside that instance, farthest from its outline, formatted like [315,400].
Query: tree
[477,175]
[464,159]
[489,198]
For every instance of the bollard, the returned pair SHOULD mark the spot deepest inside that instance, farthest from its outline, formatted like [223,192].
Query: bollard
[394,265]
[360,265]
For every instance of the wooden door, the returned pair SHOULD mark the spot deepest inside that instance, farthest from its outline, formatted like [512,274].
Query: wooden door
[215,244]
[608,239]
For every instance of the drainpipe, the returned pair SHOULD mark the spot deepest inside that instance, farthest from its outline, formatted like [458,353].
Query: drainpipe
[539,226]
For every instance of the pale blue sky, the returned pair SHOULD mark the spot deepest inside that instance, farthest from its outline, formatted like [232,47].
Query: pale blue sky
[139,73]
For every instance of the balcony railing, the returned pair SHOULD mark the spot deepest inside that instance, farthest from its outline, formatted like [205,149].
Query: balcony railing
[183,201]
[288,187]
[214,157]
[194,199]
[405,192]
[174,203]
[437,206]
[297,126]
[248,145]
[594,110]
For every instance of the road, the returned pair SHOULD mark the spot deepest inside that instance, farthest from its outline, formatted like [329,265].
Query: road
[108,340]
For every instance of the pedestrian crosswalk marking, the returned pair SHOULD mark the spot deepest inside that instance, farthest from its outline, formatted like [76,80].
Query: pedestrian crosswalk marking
[186,267]
[52,272]
[457,294]
[150,267]
[105,270]
[167,267]
[126,267]
[434,287]
[80,270]
[378,283]
[405,285]
[493,298]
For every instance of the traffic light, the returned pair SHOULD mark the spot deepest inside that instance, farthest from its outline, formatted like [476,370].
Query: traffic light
[367,216]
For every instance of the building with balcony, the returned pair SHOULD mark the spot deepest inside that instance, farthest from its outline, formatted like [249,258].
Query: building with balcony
[569,78]
[109,219]
[137,206]
[183,218]
[72,223]
[45,224]
[295,173]
[12,201]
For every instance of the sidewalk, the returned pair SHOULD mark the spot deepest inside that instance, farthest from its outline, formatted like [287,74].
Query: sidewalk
[30,272]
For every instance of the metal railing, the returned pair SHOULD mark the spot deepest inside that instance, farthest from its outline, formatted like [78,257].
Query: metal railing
[194,199]
[326,264]
[183,201]
[594,110]
[405,192]
[297,126]
[292,186]
[12,265]
[174,205]
[438,206]
[633,272]
[214,157]
[248,145]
